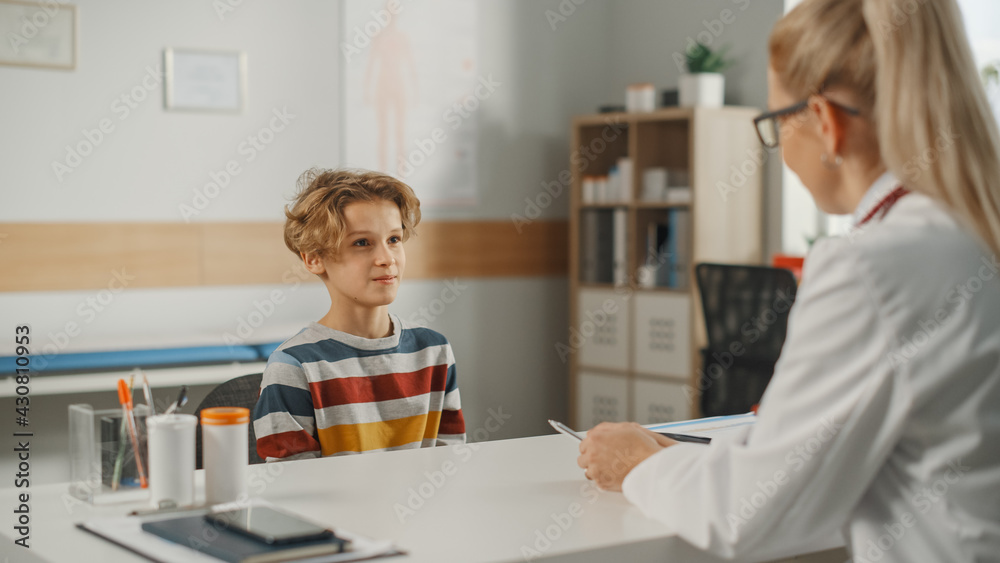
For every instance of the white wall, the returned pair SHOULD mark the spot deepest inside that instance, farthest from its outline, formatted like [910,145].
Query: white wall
[153,160]
[649,34]
[504,330]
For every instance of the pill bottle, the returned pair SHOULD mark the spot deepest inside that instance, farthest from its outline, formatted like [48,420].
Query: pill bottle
[224,436]
[171,459]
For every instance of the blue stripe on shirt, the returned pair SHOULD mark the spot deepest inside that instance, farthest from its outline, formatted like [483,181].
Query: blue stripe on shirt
[282,357]
[329,350]
[282,398]
[452,382]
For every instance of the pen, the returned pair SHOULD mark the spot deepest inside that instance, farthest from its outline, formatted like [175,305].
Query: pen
[563,429]
[148,394]
[116,476]
[125,398]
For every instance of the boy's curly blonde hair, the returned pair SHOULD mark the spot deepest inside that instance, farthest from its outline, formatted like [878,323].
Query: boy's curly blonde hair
[315,220]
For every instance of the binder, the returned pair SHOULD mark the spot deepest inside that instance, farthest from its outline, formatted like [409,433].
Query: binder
[620,252]
[679,248]
[596,246]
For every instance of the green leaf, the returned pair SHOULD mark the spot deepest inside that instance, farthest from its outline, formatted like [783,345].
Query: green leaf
[700,58]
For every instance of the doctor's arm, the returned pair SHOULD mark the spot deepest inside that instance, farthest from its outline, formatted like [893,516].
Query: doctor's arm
[832,413]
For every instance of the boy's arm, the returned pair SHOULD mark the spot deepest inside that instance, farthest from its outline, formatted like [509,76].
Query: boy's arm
[284,420]
[451,431]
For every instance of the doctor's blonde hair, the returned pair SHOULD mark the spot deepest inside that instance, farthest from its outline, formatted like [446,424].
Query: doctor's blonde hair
[910,66]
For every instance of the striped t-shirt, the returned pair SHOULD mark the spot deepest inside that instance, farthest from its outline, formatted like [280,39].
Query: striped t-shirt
[326,392]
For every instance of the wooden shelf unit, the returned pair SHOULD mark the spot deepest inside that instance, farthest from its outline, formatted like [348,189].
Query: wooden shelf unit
[641,362]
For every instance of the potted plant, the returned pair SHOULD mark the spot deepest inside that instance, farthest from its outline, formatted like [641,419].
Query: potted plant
[703,84]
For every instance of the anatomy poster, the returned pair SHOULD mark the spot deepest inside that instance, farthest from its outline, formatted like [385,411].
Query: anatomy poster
[412,91]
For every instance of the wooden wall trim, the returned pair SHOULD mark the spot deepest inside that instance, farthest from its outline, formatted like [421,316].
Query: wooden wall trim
[76,256]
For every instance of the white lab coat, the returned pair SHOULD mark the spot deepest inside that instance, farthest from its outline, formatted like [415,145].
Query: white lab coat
[882,419]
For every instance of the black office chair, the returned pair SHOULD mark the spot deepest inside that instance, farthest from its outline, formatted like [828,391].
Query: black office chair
[746,310]
[241,391]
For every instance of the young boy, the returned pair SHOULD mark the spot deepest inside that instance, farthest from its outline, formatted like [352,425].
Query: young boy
[359,380]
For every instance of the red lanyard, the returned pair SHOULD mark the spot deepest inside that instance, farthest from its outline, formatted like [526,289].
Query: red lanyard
[885,205]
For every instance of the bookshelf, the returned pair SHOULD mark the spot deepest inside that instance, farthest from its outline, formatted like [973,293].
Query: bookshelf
[635,335]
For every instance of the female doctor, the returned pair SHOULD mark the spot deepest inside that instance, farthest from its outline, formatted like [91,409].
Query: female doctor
[882,419]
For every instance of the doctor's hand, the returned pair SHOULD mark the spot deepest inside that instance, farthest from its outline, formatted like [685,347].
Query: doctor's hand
[611,450]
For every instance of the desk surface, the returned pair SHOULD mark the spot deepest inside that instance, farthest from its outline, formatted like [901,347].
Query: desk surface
[510,500]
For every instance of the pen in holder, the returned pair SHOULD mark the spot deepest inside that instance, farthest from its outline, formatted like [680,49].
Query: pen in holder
[125,398]
[117,445]
[94,444]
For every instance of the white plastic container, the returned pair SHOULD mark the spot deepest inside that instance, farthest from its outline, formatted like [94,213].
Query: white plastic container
[654,184]
[224,436]
[171,459]
[640,98]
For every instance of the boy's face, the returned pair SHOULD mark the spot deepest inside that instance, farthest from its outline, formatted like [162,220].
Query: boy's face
[366,269]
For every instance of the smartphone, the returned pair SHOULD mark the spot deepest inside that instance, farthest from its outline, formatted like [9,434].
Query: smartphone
[268,525]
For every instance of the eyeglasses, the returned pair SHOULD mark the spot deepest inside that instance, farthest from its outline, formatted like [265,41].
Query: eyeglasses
[768,124]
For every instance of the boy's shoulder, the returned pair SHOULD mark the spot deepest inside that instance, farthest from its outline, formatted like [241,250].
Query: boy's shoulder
[421,335]
[307,345]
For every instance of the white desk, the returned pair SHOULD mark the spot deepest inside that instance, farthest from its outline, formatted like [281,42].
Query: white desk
[500,498]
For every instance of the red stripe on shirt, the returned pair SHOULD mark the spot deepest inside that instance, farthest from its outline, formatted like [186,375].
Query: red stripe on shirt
[285,444]
[452,422]
[374,388]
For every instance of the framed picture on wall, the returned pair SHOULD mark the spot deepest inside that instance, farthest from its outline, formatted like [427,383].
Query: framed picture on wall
[204,80]
[38,35]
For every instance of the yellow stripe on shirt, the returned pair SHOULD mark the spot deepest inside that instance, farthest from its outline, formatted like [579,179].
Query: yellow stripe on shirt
[378,435]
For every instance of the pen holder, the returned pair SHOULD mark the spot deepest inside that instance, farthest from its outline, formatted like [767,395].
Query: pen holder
[95,445]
